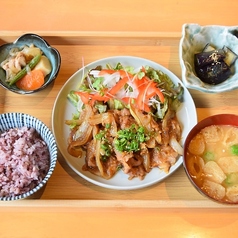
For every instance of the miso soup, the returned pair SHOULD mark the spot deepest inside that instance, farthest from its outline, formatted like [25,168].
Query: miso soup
[212,162]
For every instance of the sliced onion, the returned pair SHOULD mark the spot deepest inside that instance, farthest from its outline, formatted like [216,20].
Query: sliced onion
[94,73]
[146,158]
[76,151]
[110,80]
[98,158]
[176,146]
[84,131]
[132,90]
[83,134]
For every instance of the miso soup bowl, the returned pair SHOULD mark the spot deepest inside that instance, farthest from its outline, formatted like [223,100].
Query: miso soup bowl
[219,119]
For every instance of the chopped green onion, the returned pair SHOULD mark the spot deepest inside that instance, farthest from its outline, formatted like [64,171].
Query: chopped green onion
[234,149]
[129,139]
[208,156]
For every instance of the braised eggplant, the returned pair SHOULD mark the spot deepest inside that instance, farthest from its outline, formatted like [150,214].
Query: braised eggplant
[208,48]
[214,73]
[210,57]
[213,66]
[231,56]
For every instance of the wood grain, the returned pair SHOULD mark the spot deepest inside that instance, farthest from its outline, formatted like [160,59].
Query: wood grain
[69,206]
[106,15]
[66,184]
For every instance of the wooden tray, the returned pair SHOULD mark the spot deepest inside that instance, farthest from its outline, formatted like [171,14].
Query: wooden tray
[65,188]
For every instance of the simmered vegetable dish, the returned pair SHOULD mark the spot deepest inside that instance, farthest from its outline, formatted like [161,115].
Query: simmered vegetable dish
[26,67]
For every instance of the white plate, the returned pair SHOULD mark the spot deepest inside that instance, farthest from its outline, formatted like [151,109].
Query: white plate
[63,110]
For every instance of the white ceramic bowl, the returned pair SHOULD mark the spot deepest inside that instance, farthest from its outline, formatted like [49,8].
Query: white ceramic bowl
[194,38]
[19,120]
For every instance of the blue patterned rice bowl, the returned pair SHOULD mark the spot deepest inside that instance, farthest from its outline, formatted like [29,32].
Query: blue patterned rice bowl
[19,120]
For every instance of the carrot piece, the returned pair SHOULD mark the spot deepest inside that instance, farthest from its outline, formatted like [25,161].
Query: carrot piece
[31,81]
[151,90]
[159,94]
[146,91]
[142,106]
[120,84]
[125,74]
[127,100]
[89,98]
[141,82]
[122,73]
[84,97]
[140,101]
[145,107]
[98,97]
[106,71]
[150,95]
[139,104]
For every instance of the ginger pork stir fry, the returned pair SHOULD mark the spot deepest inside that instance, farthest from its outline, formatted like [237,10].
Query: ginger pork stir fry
[125,120]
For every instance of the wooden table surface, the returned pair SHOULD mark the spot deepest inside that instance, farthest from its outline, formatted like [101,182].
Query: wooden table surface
[69,206]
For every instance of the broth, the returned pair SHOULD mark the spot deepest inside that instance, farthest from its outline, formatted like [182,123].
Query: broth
[212,162]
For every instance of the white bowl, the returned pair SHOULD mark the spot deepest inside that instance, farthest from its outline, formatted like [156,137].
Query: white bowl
[194,38]
[19,120]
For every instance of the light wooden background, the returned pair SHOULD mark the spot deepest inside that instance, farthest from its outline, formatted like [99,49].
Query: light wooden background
[70,206]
